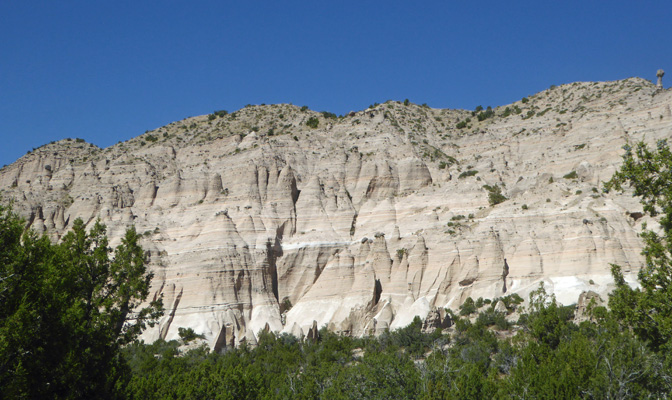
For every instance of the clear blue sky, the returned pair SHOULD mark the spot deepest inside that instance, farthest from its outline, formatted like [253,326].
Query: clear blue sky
[108,71]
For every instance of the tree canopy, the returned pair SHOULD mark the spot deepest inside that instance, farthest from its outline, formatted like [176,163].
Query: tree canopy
[66,309]
[648,309]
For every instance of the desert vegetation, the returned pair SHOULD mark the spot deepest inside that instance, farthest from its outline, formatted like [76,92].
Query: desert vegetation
[542,354]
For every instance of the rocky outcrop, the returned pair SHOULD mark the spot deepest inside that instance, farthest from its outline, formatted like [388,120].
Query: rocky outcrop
[586,302]
[254,220]
[500,307]
[438,318]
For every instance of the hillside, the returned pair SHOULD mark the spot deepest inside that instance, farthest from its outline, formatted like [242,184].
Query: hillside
[281,216]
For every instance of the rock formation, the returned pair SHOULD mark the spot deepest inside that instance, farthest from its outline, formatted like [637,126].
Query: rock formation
[255,219]
[587,300]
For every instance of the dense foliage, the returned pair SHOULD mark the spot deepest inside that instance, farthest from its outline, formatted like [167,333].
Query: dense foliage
[65,311]
[548,356]
[648,309]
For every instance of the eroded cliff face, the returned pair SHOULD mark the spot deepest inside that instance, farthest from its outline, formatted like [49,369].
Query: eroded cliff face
[254,220]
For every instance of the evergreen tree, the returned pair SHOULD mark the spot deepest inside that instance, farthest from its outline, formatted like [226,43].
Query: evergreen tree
[648,309]
[67,309]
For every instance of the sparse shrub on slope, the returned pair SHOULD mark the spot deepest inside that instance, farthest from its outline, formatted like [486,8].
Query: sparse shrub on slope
[313,122]
[495,195]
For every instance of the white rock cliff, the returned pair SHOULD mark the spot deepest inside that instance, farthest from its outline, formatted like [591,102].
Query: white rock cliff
[256,220]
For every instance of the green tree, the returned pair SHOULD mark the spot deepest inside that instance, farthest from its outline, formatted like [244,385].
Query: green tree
[648,309]
[547,321]
[495,195]
[313,122]
[27,323]
[67,309]
[468,307]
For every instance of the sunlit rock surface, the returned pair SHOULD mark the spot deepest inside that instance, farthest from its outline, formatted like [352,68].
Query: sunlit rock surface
[256,221]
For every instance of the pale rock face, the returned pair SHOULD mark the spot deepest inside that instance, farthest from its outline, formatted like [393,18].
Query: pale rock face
[368,220]
[500,307]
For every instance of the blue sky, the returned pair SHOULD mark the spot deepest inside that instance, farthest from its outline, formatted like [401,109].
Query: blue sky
[108,71]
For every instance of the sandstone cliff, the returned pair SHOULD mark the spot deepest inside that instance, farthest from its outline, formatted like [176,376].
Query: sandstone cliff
[260,219]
